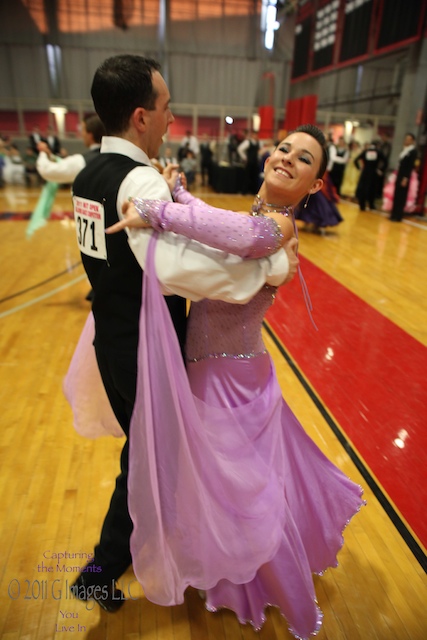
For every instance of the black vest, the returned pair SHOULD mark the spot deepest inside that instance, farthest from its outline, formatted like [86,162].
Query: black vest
[91,154]
[117,281]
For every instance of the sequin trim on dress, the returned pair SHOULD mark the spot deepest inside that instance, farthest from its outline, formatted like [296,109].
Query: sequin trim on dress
[318,626]
[233,356]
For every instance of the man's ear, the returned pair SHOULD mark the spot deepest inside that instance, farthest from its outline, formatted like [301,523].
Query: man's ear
[139,119]
[316,186]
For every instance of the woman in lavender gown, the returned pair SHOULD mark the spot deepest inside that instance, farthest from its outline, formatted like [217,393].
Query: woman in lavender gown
[227,492]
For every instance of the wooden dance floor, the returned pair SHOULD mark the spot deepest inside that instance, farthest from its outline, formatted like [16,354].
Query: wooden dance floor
[356,383]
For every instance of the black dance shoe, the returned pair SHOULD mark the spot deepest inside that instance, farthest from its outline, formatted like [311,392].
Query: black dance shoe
[108,596]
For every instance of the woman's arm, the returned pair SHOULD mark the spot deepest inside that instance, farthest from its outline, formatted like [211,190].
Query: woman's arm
[181,195]
[242,235]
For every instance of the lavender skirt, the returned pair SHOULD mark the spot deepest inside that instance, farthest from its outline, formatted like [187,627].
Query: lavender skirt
[227,492]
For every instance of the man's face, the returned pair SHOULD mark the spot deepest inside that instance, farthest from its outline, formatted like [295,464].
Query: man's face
[159,119]
[408,141]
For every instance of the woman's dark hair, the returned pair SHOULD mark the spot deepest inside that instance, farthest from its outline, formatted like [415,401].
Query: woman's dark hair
[120,85]
[318,135]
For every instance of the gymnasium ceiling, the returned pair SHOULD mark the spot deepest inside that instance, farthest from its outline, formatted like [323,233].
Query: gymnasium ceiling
[82,16]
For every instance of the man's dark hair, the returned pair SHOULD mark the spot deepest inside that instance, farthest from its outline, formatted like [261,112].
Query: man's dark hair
[318,135]
[120,85]
[94,126]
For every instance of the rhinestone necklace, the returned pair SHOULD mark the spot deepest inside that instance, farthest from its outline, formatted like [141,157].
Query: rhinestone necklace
[260,206]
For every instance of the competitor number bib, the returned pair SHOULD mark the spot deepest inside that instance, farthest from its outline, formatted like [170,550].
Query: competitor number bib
[90,227]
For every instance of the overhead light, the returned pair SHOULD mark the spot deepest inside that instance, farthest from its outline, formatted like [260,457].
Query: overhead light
[256,122]
[58,109]
[269,24]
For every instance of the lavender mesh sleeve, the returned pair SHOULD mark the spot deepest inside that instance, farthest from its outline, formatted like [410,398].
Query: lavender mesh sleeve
[245,236]
[183,196]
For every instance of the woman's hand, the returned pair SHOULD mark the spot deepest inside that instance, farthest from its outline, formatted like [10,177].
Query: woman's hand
[171,175]
[132,220]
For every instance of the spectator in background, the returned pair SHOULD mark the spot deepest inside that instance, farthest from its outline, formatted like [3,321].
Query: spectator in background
[188,166]
[13,169]
[206,159]
[232,144]
[248,152]
[182,151]
[35,138]
[265,152]
[338,158]
[2,160]
[370,162]
[192,142]
[407,159]
[167,158]
[32,178]
[53,141]
[385,148]
[351,172]
[320,210]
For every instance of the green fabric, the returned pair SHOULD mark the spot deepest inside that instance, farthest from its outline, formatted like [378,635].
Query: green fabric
[43,208]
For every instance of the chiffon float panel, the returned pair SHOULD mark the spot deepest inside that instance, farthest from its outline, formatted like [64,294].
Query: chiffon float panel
[227,493]
[43,208]
[83,388]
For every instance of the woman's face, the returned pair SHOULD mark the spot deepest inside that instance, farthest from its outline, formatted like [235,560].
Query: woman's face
[291,170]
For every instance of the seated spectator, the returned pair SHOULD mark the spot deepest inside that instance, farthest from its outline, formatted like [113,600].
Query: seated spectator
[14,170]
[167,158]
[188,166]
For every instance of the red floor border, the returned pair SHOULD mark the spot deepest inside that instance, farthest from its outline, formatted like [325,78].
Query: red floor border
[369,373]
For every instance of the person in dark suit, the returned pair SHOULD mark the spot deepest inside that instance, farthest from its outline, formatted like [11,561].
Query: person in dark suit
[407,159]
[371,161]
[248,151]
[53,141]
[206,159]
[36,137]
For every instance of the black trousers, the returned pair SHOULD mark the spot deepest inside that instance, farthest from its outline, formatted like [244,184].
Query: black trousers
[118,371]
[399,202]
[365,192]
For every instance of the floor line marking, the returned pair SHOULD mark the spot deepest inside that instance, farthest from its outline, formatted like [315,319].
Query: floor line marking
[42,283]
[25,305]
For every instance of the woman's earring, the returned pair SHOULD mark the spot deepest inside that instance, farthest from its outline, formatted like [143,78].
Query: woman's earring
[306,202]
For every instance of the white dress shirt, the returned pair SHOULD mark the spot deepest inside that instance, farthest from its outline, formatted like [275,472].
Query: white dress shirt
[242,149]
[187,267]
[63,170]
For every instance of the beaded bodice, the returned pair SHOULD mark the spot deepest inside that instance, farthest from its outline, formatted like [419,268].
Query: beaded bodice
[222,330]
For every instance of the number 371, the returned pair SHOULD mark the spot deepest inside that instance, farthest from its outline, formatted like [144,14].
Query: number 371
[82,227]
